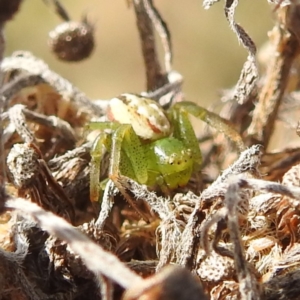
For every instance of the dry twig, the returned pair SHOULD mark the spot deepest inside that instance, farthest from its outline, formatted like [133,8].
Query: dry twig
[285,51]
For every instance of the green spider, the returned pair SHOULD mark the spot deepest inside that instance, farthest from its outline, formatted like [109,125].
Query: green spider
[150,145]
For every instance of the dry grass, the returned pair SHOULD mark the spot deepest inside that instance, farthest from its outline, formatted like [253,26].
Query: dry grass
[231,233]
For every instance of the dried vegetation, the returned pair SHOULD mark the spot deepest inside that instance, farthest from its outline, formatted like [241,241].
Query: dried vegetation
[233,237]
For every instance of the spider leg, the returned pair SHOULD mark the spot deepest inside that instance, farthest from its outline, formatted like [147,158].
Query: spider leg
[97,152]
[213,120]
[125,140]
[215,219]
[183,130]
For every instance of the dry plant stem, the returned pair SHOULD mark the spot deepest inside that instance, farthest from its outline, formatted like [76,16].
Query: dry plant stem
[12,271]
[107,204]
[13,276]
[80,151]
[270,187]
[129,198]
[247,163]
[170,227]
[57,189]
[143,266]
[3,194]
[2,49]
[208,3]
[59,9]
[165,89]
[17,116]
[221,215]
[256,185]
[163,31]
[265,113]
[157,203]
[283,287]
[32,176]
[25,61]
[171,283]
[236,113]
[190,239]
[276,164]
[6,14]
[154,74]
[247,283]
[2,155]
[249,73]
[106,287]
[95,258]
[17,84]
